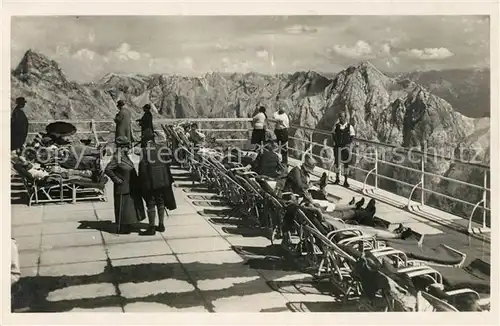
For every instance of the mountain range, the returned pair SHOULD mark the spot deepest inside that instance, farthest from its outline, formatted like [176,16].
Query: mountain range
[443,110]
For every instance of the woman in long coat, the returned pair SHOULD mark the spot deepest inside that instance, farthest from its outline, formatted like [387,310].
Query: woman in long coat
[129,208]
[156,182]
[123,120]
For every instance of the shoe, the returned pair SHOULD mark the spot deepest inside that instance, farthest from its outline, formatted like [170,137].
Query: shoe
[371,205]
[353,200]
[323,180]
[160,228]
[346,184]
[406,233]
[360,203]
[337,181]
[149,231]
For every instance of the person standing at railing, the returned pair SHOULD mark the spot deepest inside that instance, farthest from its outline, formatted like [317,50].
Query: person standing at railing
[18,126]
[343,135]
[281,132]
[146,123]
[123,120]
[259,130]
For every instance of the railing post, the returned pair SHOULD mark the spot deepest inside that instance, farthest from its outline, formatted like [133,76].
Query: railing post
[376,167]
[422,174]
[94,131]
[485,197]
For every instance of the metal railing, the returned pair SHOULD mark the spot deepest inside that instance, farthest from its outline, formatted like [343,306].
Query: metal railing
[375,159]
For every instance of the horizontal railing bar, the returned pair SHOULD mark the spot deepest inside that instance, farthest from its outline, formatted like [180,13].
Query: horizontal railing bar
[457,181]
[400,166]
[452,198]
[227,130]
[392,179]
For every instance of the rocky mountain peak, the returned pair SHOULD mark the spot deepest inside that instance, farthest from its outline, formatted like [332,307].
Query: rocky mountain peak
[35,66]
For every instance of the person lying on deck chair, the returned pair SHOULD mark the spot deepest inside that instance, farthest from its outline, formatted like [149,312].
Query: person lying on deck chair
[298,182]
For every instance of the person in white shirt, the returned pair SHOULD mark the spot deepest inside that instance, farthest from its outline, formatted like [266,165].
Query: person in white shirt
[259,131]
[281,132]
[343,134]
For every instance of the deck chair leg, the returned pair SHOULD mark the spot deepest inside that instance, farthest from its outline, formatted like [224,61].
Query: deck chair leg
[74,194]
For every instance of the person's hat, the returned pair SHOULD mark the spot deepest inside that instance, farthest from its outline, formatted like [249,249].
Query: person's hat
[122,141]
[146,107]
[120,103]
[309,163]
[20,100]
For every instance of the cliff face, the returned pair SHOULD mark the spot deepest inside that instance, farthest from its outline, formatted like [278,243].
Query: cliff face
[390,110]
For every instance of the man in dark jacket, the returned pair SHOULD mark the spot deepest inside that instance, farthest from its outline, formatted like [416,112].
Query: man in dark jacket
[123,122]
[146,122]
[156,183]
[343,134]
[267,163]
[18,126]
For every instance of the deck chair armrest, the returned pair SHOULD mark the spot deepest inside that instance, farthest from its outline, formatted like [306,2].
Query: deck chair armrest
[463,255]
[240,168]
[453,293]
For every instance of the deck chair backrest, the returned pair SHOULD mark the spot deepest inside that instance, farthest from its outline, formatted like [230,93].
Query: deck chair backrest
[23,173]
[438,304]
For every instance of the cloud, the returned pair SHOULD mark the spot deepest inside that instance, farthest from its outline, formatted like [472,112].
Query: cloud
[428,53]
[124,52]
[84,54]
[359,50]
[385,49]
[263,54]
[300,29]
[228,47]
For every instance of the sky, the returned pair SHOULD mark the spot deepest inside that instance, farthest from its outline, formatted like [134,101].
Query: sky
[88,47]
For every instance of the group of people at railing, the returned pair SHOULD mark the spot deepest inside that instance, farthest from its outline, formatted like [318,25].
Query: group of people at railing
[342,136]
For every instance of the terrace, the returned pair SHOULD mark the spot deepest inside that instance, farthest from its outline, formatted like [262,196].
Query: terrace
[71,260]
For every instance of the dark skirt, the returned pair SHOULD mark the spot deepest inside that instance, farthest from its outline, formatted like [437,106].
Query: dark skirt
[128,210]
[258,136]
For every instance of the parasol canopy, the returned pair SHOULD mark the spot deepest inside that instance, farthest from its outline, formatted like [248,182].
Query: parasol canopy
[60,129]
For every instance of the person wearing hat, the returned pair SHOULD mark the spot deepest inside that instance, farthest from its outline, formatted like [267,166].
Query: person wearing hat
[156,183]
[123,122]
[128,205]
[298,179]
[195,136]
[268,163]
[281,132]
[18,125]
[146,122]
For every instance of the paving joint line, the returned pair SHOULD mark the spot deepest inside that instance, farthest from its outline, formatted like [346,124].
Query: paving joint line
[109,264]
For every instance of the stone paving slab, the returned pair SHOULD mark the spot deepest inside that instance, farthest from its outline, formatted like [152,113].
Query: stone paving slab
[209,260]
[74,269]
[197,245]
[31,242]
[138,249]
[72,255]
[190,231]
